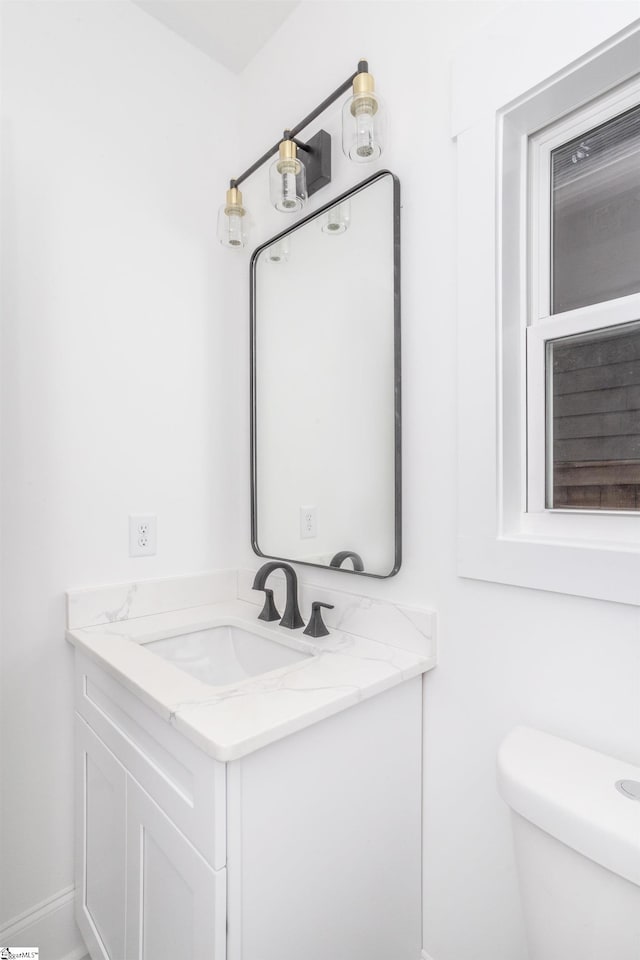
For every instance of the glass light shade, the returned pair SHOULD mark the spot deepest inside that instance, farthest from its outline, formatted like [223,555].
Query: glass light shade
[363,122]
[287,180]
[278,252]
[233,221]
[337,219]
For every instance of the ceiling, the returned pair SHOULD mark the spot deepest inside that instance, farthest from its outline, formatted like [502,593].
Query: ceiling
[229,31]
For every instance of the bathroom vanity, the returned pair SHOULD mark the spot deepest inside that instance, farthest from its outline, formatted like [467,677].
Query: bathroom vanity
[244,791]
[273,817]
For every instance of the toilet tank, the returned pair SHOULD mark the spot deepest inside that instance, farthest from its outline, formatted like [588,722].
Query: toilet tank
[577,844]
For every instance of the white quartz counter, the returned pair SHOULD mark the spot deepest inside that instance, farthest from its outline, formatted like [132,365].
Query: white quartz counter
[228,722]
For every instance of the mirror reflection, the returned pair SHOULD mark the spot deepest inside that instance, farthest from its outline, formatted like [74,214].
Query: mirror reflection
[325,384]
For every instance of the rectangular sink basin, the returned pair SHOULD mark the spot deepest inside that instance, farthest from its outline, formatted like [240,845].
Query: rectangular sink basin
[225,654]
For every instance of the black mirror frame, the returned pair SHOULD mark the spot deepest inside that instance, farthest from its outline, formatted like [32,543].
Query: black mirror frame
[397,376]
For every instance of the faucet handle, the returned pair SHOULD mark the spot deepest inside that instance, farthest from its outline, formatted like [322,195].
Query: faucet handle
[269,611]
[316,626]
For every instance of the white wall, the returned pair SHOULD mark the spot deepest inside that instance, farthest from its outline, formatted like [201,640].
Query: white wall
[507,655]
[116,363]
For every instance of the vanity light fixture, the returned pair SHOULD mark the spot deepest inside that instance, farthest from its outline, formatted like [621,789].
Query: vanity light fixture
[303,168]
[287,179]
[363,121]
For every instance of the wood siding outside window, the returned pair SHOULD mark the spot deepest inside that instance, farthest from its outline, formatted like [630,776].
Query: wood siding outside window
[596,420]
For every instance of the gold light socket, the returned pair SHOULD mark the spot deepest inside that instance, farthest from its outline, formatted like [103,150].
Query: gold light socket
[288,150]
[364,98]
[234,202]
[288,155]
[363,83]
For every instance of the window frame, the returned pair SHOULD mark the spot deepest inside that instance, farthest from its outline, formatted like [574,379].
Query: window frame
[542,325]
[493,115]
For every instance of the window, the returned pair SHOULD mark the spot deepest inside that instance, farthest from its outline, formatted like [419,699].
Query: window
[548,332]
[583,336]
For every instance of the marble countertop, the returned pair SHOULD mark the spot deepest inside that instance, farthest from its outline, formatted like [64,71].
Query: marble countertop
[228,722]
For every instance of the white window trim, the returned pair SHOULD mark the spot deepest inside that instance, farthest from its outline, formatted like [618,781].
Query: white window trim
[542,326]
[497,539]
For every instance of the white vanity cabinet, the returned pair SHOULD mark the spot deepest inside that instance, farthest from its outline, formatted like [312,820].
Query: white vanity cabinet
[306,848]
[143,890]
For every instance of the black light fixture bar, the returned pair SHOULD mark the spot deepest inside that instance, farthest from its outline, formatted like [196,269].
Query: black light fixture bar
[363,67]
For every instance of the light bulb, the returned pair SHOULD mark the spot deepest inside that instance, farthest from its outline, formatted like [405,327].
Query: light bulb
[363,121]
[287,180]
[365,142]
[234,234]
[232,221]
[289,199]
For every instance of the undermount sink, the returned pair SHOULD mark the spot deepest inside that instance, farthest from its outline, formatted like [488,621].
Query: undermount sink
[225,654]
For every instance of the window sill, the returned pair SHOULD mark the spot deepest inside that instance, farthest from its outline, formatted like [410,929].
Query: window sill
[586,569]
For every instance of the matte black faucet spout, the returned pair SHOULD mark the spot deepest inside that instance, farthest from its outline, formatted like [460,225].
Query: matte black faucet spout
[291,618]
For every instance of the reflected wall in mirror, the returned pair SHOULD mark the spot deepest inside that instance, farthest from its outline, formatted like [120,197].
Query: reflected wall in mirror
[325,378]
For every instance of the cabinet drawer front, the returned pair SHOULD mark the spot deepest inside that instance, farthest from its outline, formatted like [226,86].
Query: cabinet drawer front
[186,783]
[176,903]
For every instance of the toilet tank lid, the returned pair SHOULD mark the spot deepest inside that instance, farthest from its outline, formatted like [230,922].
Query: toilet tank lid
[569,791]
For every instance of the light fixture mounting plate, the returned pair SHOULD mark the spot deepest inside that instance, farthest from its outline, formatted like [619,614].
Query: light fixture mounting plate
[317,161]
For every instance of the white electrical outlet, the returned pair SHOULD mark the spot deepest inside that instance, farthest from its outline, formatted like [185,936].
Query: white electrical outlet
[142,536]
[308,525]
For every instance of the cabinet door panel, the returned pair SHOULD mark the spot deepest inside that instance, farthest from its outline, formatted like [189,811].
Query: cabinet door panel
[167,909]
[101,850]
[185,783]
[176,903]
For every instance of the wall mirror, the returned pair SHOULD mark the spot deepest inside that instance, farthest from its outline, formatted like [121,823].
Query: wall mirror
[325,385]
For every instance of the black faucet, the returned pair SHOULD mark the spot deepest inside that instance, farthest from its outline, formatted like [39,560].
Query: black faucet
[291,618]
[339,559]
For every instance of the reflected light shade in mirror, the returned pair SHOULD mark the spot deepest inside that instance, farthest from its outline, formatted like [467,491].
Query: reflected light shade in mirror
[287,180]
[233,221]
[363,121]
[337,219]
[278,252]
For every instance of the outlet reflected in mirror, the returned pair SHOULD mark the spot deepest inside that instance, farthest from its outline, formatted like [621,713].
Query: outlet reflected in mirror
[326,386]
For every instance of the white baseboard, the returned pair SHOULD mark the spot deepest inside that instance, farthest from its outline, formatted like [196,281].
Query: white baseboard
[49,925]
